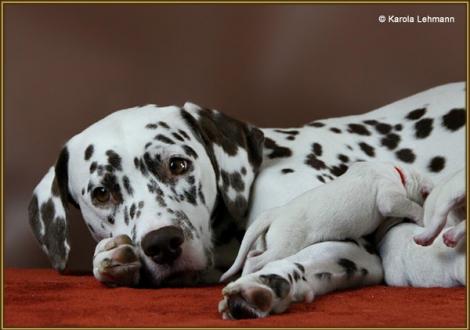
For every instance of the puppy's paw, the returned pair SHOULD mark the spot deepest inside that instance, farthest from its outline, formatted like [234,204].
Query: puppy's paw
[423,240]
[452,236]
[255,296]
[116,262]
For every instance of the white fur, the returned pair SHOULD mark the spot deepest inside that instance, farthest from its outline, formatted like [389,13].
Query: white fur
[351,206]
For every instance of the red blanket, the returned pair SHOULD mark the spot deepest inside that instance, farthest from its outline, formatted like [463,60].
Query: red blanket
[43,298]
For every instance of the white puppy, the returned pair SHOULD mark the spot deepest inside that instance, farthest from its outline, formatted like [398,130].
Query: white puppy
[446,200]
[351,206]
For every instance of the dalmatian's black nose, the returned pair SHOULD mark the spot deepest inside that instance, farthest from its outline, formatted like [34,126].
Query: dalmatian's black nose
[163,245]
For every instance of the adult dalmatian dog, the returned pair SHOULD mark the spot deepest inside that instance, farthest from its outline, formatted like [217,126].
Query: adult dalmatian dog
[167,192]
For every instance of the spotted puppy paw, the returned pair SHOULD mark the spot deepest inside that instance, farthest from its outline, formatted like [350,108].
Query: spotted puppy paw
[116,262]
[255,296]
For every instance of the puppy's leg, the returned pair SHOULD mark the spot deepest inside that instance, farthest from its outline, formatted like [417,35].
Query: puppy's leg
[453,235]
[444,199]
[316,270]
[116,262]
[396,205]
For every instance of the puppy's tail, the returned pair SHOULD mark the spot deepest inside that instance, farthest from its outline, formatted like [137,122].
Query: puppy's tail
[258,227]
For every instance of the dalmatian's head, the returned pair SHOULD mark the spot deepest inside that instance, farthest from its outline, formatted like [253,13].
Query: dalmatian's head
[156,174]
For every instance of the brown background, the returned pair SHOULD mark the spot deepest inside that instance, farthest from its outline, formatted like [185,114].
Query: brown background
[67,65]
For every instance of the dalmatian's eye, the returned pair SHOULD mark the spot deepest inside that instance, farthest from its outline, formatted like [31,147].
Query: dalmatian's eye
[101,195]
[178,166]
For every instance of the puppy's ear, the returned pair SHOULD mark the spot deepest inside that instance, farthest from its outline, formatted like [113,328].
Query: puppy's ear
[236,152]
[48,212]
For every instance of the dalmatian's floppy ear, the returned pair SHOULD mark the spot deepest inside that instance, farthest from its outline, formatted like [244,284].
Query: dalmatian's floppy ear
[235,149]
[48,213]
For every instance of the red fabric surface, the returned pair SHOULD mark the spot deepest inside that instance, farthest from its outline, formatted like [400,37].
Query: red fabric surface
[42,297]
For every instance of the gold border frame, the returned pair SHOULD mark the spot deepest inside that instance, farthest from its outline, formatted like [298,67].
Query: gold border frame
[199,2]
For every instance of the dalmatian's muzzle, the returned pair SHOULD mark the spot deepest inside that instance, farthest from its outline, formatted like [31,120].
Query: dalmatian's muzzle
[155,176]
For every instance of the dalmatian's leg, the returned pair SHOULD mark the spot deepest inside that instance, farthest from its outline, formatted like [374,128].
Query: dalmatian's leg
[116,262]
[316,270]
[453,235]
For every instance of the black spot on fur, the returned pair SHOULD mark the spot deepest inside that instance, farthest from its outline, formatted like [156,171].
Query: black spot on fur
[287,170]
[190,179]
[89,152]
[177,136]
[423,128]
[279,285]
[335,130]
[132,211]
[114,160]
[398,127]
[110,220]
[289,276]
[314,162]
[349,266]
[277,150]
[191,195]
[163,124]
[390,141]
[437,164]
[320,178]
[296,276]
[110,182]
[201,194]
[184,134]
[317,149]
[151,126]
[454,119]
[134,233]
[358,129]
[338,170]
[164,139]
[291,132]
[190,151]
[90,228]
[93,167]
[316,124]
[368,150]
[343,158]
[300,267]
[290,138]
[383,128]
[371,122]
[406,155]
[126,216]
[236,182]
[48,211]
[364,271]
[127,185]
[148,144]
[416,114]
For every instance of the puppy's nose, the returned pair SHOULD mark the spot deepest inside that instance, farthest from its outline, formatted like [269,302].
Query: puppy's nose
[163,245]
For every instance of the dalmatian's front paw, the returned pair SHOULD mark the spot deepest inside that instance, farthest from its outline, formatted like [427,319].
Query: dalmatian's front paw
[255,296]
[116,262]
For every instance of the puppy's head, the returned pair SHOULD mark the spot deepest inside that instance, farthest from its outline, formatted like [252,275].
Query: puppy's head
[155,174]
[417,185]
